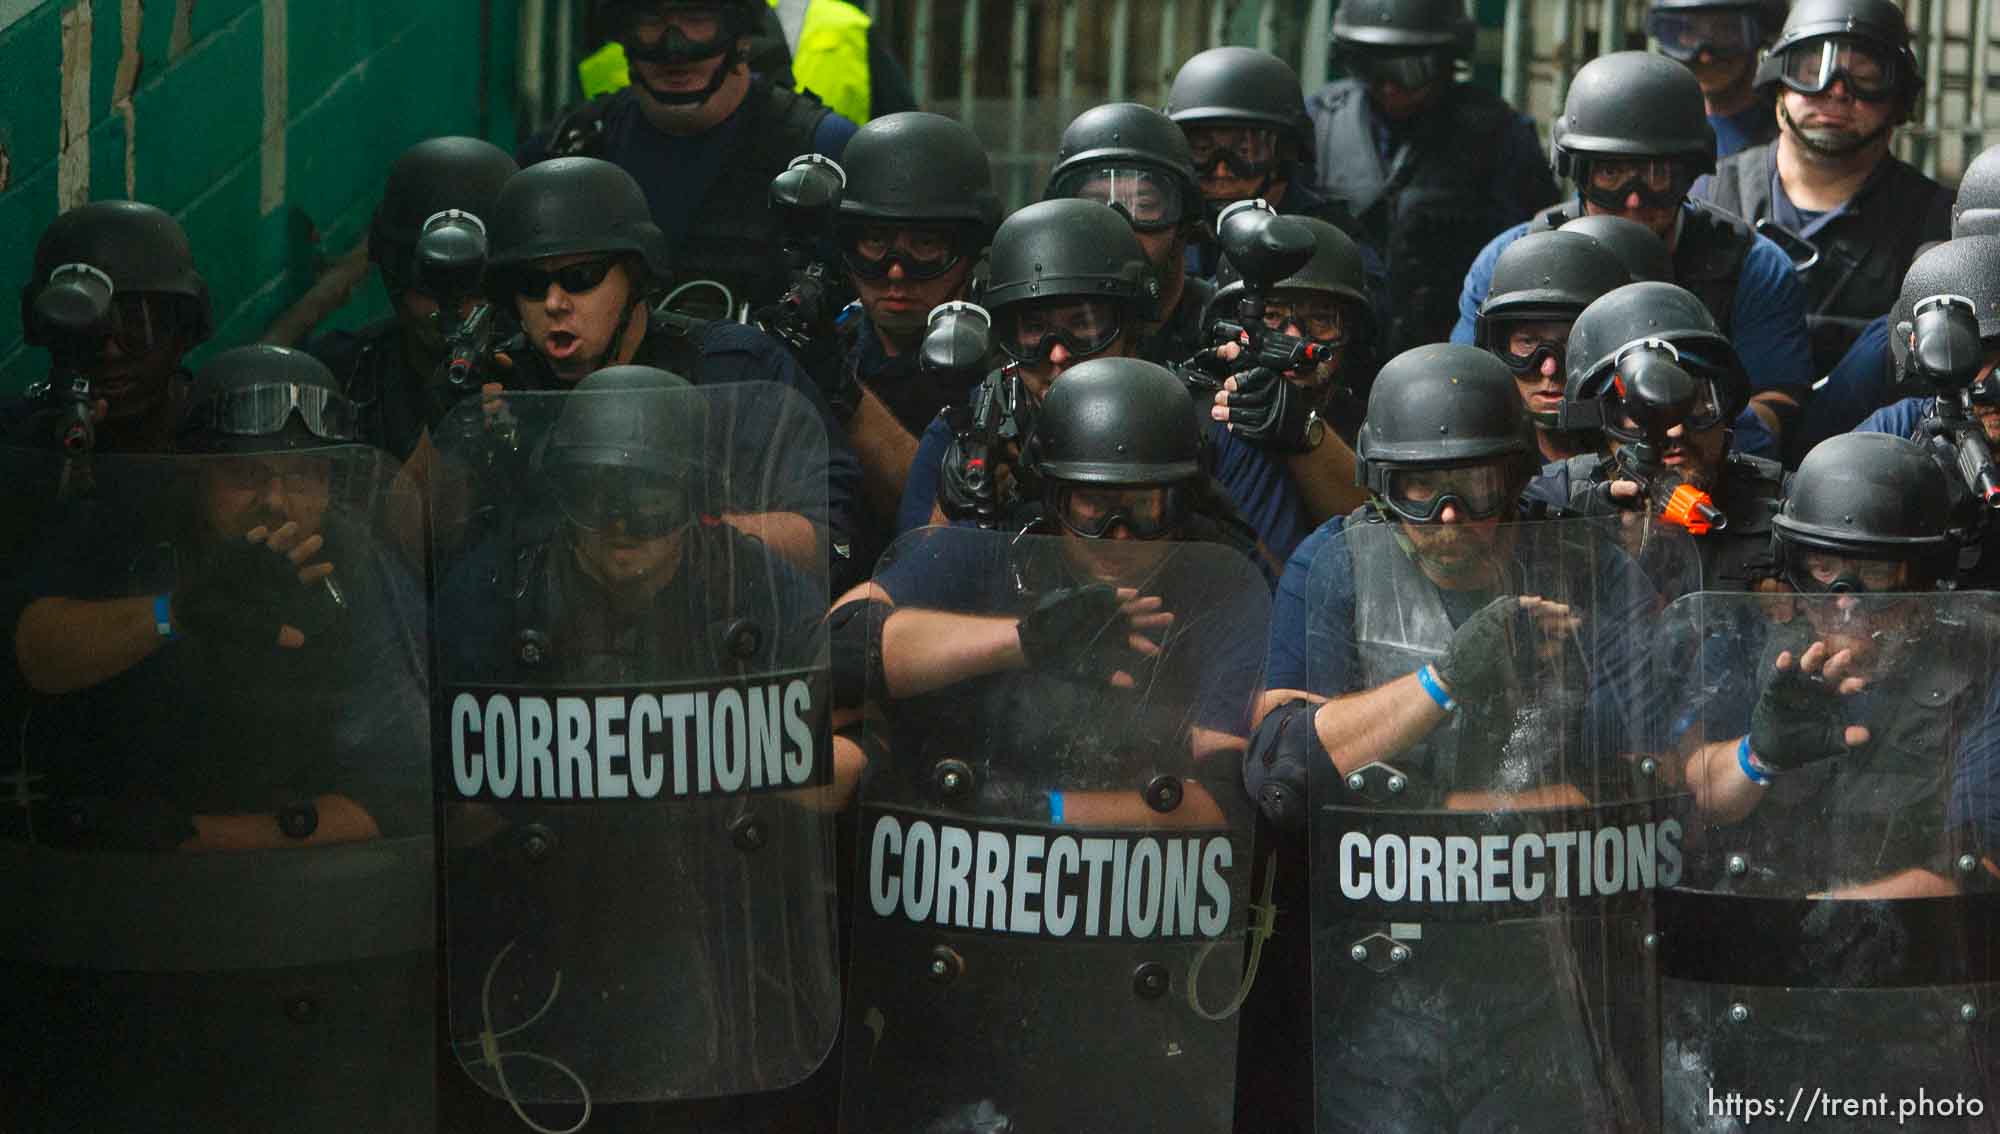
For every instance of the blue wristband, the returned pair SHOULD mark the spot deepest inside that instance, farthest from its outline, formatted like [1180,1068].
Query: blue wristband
[163,615]
[1056,808]
[1753,768]
[1427,677]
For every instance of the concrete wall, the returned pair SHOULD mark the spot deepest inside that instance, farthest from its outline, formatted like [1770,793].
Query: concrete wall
[265,127]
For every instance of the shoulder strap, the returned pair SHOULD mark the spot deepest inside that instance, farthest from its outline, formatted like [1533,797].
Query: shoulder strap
[580,132]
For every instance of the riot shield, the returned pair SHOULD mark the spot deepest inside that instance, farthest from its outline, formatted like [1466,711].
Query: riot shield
[1827,955]
[219,868]
[631,743]
[1054,845]
[1490,826]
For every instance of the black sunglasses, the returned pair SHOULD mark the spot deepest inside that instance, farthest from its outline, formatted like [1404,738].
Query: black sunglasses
[575,279]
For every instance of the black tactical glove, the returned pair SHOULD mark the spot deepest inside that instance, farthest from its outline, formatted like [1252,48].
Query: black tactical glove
[245,592]
[1479,663]
[1797,720]
[1079,631]
[1268,411]
[1203,375]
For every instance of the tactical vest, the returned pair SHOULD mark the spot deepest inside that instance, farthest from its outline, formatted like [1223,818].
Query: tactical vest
[1182,334]
[1862,254]
[1708,257]
[1733,559]
[393,405]
[1429,210]
[738,239]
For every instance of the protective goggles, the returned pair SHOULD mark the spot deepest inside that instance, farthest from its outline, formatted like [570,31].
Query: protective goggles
[1245,151]
[1150,200]
[573,279]
[1408,70]
[675,33]
[1091,511]
[1610,183]
[1819,572]
[1812,67]
[1419,495]
[263,410]
[595,498]
[1525,356]
[1323,320]
[922,253]
[1722,33]
[1030,332]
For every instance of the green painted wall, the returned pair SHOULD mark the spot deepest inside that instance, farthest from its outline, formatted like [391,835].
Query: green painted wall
[265,126]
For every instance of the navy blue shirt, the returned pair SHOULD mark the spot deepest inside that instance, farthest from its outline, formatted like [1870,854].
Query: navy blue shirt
[1861,383]
[1768,326]
[1753,125]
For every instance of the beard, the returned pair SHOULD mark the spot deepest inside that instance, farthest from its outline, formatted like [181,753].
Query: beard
[1830,141]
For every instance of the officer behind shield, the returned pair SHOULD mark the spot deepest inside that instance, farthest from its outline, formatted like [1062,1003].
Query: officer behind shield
[917,215]
[1845,77]
[1541,283]
[1409,649]
[1433,168]
[1245,118]
[1719,41]
[139,260]
[228,655]
[1846,808]
[703,136]
[391,368]
[1633,138]
[576,257]
[1649,369]
[1136,160]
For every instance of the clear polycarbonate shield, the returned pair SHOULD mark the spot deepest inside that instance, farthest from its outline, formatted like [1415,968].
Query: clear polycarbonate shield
[1490,825]
[218,846]
[631,737]
[1052,898]
[1827,954]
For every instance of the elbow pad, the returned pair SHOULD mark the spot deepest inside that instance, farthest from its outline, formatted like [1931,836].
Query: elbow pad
[854,641]
[1282,752]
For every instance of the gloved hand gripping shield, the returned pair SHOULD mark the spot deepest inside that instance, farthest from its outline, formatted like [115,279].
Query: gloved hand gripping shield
[631,728]
[218,855]
[1489,824]
[1055,851]
[1833,921]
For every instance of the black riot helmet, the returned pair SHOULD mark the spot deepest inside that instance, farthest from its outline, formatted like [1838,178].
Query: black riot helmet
[1241,85]
[429,178]
[1117,423]
[1069,249]
[1809,53]
[1546,276]
[917,166]
[1866,496]
[1335,269]
[1634,105]
[1130,157]
[568,206]
[1443,405]
[1409,42]
[1658,319]
[628,447]
[1968,266]
[136,248]
[264,399]
[1976,210]
[1639,248]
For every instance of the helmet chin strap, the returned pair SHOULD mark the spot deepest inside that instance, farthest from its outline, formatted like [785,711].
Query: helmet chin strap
[729,58]
[1823,150]
[609,355]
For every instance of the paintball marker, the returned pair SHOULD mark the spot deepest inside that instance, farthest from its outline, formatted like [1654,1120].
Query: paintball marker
[72,316]
[1654,395]
[449,259]
[804,197]
[954,355]
[1263,248]
[1946,353]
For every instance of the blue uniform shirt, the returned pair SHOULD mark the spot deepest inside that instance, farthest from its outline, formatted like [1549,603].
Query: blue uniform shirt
[1861,384]
[1768,326]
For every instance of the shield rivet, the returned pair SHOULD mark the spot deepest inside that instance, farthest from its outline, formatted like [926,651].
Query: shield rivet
[1965,863]
[1356,782]
[301,1009]
[1358,953]
[1164,794]
[1968,1011]
[747,832]
[946,965]
[1649,767]
[1399,953]
[1149,981]
[1738,864]
[953,778]
[1650,942]
[537,843]
[1739,1012]
[1397,783]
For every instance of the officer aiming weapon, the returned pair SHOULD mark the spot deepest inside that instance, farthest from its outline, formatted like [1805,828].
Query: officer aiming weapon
[1654,393]
[953,356]
[447,263]
[75,315]
[1946,353]
[1264,248]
